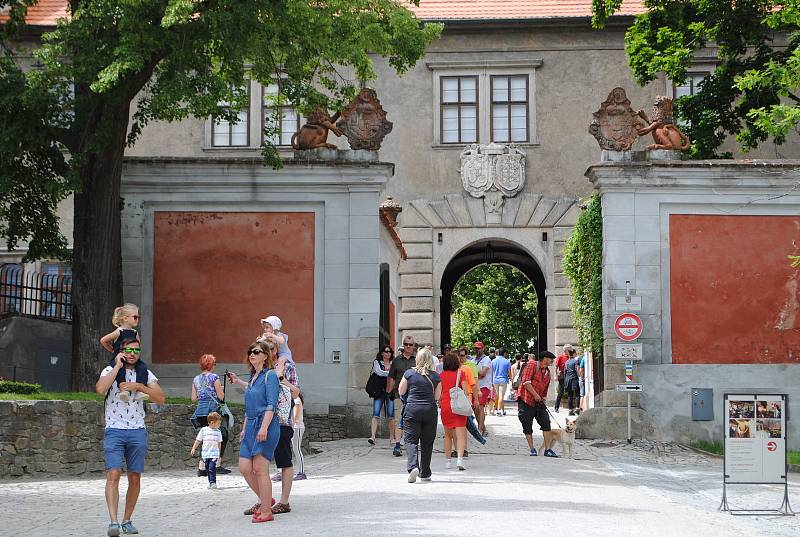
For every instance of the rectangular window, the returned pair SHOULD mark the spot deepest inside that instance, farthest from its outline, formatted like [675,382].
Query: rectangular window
[459,109]
[11,288]
[509,108]
[282,120]
[691,86]
[228,134]
[56,289]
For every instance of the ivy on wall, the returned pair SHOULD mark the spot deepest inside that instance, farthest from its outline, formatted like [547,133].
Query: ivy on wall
[583,261]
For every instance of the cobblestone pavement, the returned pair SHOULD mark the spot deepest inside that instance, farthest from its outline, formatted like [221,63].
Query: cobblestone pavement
[355,489]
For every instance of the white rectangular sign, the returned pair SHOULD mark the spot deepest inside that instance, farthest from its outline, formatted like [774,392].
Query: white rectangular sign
[628,387]
[628,303]
[628,351]
[755,438]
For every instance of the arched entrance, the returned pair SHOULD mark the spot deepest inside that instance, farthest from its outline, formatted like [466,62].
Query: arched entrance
[491,252]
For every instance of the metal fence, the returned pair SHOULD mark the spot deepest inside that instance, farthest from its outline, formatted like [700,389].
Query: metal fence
[35,294]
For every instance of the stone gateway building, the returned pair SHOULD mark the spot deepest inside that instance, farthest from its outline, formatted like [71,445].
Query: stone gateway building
[484,163]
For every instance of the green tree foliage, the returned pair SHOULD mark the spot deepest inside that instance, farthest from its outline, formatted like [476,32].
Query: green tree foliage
[65,124]
[752,92]
[495,304]
[583,262]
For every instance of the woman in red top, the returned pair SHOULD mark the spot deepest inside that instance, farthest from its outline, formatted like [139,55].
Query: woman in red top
[455,425]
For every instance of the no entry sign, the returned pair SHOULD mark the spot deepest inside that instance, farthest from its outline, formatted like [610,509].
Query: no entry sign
[628,327]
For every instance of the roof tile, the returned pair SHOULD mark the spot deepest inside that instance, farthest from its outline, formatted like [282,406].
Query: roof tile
[444,10]
[44,13]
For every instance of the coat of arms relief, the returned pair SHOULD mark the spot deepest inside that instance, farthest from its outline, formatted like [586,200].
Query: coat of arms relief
[493,172]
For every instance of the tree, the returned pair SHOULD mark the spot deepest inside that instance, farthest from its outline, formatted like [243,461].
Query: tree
[64,126]
[751,94]
[497,305]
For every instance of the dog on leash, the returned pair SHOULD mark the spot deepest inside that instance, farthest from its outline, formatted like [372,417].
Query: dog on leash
[565,437]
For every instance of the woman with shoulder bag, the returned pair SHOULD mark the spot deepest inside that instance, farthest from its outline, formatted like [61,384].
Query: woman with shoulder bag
[376,388]
[455,425]
[422,388]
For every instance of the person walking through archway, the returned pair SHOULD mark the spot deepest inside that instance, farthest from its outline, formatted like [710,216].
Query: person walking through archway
[532,400]
[484,366]
[455,425]
[501,367]
[400,364]
[422,388]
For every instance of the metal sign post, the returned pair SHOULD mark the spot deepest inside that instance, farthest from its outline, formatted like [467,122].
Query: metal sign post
[628,388]
[755,447]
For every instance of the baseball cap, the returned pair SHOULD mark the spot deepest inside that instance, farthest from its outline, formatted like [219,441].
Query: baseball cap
[478,344]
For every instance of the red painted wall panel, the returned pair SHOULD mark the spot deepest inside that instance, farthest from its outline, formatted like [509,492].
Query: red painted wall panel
[735,298]
[217,274]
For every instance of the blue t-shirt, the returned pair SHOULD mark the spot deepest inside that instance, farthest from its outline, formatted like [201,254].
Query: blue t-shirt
[500,368]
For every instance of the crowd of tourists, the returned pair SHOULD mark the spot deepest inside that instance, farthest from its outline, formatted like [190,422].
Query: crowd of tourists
[459,389]
[272,430]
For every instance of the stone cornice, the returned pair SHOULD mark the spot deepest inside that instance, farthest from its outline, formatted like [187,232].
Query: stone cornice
[761,175]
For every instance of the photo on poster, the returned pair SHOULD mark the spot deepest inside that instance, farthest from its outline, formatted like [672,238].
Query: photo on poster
[769,428]
[740,428]
[741,409]
[769,409]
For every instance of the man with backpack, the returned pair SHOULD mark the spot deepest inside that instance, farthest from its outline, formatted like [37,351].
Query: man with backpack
[532,401]
[125,434]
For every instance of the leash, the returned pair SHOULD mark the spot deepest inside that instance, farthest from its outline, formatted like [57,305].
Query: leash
[551,415]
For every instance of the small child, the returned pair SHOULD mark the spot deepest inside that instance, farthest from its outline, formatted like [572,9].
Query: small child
[126,319]
[211,437]
[272,330]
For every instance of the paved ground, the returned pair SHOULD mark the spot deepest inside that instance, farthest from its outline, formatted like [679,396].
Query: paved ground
[359,490]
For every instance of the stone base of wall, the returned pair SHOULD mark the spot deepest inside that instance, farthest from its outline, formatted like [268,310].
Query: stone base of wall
[612,422]
[65,438]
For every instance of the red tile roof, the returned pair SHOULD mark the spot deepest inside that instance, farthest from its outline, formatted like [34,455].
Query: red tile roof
[444,10]
[44,13]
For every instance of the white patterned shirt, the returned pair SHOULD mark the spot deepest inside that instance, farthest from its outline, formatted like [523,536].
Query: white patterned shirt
[210,439]
[121,415]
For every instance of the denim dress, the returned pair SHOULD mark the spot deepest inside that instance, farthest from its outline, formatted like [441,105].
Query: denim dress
[261,396]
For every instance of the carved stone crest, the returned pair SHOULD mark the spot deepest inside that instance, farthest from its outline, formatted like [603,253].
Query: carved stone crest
[615,125]
[364,121]
[493,172]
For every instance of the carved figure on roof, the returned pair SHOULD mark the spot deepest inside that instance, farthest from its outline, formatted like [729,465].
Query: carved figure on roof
[364,121]
[314,133]
[665,134]
[615,124]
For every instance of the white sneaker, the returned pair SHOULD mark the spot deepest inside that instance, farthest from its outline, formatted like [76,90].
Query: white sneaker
[412,475]
[448,464]
[141,396]
[460,464]
[125,397]
[213,486]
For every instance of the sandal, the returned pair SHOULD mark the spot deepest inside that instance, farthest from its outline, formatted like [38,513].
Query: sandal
[259,517]
[253,510]
[279,508]
[371,441]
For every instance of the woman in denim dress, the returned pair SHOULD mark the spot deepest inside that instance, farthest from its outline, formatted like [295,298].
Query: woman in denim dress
[261,431]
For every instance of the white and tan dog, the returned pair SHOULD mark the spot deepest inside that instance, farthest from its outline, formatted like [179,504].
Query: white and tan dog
[565,437]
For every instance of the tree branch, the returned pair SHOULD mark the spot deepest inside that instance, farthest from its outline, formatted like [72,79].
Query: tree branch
[793,97]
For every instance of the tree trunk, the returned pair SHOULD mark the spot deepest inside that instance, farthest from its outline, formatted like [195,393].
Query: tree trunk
[97,254]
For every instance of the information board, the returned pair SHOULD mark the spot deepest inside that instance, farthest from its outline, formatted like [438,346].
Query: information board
[755,438]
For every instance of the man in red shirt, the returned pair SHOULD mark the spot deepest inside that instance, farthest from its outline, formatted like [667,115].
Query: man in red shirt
[561,361]
[532,401]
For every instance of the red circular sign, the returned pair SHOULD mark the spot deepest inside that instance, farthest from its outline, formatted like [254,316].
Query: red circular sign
[772,446]
[628,327]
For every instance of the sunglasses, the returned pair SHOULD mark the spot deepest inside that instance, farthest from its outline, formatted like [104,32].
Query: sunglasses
[255,351]
[131,350]
[408,344]
[387,350]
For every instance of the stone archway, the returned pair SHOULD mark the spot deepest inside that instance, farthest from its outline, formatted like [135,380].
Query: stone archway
[492,252]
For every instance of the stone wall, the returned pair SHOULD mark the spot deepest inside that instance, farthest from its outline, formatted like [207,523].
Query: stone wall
[48,438]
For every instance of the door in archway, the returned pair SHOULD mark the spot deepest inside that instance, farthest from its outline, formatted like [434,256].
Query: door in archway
[492,252]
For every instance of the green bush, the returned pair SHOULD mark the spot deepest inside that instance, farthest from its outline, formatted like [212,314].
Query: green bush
[10,386]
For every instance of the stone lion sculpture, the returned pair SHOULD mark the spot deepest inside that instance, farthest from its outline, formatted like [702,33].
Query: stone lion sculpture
[665,134]
[314,133]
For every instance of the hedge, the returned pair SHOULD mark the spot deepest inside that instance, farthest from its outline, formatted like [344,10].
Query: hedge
[10,386]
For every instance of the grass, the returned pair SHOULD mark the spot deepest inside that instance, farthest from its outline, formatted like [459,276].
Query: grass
[794,457]
[75,396]
[710,447]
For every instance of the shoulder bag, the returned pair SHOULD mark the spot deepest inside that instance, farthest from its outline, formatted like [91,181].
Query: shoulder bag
[459,403]
[376,385]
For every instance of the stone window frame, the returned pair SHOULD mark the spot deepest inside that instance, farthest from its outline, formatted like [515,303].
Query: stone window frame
[509,103]
[484,70]
[459,105]
[247,120]
[264,108]
[700,67]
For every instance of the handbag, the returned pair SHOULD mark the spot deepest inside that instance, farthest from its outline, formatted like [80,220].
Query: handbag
[376,385]
[459,403]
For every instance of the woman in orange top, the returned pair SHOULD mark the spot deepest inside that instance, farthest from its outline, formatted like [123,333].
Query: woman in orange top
[455,425]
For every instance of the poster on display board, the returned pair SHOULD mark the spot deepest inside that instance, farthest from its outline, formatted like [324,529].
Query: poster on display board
[755,438]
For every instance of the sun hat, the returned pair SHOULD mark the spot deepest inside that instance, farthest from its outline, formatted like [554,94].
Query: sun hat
[274,321]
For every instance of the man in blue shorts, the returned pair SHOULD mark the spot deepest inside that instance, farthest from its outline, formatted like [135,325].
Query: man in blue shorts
[125,434]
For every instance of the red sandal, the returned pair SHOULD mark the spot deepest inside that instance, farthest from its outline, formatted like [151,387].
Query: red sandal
[257,517]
